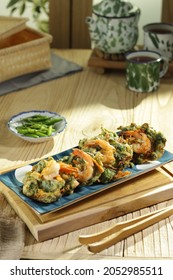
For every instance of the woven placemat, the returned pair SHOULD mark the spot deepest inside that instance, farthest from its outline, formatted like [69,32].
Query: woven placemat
[61,67]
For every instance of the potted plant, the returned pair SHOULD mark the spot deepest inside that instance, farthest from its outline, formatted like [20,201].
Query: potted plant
[39,10]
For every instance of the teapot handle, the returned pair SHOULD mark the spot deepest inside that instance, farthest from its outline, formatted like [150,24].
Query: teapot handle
[138,13]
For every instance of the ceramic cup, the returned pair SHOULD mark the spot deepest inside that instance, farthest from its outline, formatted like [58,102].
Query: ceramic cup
[159,37]
[144,70]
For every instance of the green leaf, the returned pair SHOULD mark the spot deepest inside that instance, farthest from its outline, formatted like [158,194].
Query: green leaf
[13,10]
[144,84]
[37,9]
[154,39]
[22,8]
[12,3]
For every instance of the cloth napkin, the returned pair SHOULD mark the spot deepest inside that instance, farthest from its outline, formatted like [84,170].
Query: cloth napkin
[60,67]
[12,232]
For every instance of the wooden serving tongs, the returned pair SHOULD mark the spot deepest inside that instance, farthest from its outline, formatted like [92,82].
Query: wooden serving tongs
[101,240]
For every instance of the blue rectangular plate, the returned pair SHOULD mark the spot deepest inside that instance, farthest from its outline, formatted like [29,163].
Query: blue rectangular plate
[81,192]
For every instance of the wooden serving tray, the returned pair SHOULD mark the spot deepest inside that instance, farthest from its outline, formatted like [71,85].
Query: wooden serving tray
[146,190]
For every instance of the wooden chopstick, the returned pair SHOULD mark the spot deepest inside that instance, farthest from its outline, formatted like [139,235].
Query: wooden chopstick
[104,239]
[91,238]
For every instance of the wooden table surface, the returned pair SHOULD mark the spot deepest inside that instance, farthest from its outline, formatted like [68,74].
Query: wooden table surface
[90,100]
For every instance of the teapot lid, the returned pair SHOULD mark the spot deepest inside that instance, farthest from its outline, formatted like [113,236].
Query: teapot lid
[113,8]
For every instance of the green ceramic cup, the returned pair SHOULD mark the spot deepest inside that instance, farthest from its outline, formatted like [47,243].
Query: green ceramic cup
[144,70]
[159,37]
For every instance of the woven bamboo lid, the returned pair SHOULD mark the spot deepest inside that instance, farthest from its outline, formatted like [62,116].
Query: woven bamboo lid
[11,25]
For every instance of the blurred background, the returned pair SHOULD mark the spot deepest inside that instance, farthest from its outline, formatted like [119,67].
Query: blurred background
[38,12]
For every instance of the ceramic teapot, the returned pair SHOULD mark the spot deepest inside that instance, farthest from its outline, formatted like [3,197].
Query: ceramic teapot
[113,26]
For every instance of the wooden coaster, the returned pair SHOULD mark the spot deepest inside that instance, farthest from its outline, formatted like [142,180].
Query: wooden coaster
[102,61]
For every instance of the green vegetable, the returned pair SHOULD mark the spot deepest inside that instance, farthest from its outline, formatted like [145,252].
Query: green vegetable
[31,135]
[37,126]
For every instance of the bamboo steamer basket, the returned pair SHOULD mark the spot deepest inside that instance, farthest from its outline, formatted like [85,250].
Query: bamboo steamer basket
[23,50]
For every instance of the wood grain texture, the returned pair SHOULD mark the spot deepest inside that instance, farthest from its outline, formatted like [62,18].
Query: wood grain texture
[67,23]
[80,38]
[167,11]
[59,22]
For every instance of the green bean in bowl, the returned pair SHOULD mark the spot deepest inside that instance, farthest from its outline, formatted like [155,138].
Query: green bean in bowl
[37,126]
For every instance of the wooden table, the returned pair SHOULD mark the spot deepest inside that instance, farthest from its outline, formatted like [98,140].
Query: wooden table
[88,100]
